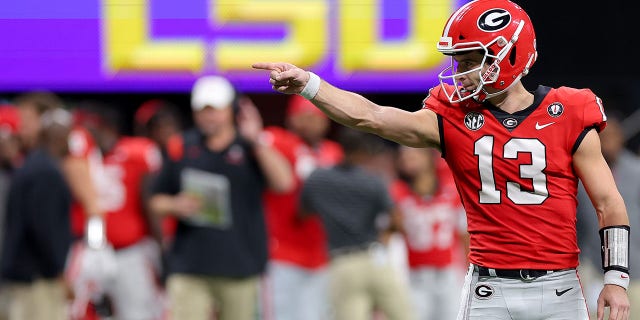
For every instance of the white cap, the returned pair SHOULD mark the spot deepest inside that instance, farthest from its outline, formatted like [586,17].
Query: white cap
[56,116]
[213,91]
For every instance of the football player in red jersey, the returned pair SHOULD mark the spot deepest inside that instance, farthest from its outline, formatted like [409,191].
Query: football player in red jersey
[432,221]
[516,157]
[297,277]
[133,262]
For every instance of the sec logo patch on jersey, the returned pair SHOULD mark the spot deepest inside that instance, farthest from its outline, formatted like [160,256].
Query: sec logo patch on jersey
[474,121]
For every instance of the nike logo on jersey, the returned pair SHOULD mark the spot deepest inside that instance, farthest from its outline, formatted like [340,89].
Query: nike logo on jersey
[559,293]
[540,127]
[624,276]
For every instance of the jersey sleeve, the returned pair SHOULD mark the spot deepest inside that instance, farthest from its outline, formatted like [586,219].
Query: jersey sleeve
[80,143]
[333,151]
[151,157]
[144,152]
[434,100]
[593,113]
[175,147]
[399,190]
[281,140]
[438,102]
[585,111]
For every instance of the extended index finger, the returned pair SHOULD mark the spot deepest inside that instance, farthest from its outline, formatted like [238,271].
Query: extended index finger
[268,66]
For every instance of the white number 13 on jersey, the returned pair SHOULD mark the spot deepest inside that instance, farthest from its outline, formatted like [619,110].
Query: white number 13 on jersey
[490,194]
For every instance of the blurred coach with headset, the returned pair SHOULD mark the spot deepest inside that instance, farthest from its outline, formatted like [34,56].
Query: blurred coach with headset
[213,183]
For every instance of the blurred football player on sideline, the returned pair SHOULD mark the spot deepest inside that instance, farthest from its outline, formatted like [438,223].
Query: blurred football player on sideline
[297,277]
[516,157]
[83,168]
[125,266]
[157,120]
[433,223]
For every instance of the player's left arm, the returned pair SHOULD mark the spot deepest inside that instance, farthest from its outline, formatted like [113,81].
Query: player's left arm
[598,181]
[597,178]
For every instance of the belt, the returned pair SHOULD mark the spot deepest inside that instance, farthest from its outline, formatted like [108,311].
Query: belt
[520,274]
[353,249]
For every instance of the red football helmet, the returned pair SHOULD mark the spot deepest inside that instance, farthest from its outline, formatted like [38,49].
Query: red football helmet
[499,28]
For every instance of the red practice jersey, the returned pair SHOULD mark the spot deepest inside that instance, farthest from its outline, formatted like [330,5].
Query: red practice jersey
[515,176]
[119,189]
[292,239]
[432,225]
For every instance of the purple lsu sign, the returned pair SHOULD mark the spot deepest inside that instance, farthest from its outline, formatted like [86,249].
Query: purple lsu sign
[163,45]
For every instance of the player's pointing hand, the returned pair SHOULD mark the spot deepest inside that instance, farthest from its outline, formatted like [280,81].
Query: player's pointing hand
[284,77]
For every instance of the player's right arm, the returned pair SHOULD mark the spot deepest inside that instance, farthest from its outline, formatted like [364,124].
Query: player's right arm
[78,176]
[77,171]
[416,129]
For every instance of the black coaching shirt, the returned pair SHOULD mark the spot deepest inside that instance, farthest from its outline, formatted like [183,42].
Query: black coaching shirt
[37,227]
[236,248]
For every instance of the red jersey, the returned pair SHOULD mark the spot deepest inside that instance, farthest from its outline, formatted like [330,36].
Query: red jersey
[432,225]
[515,176]
[300,241]
[119,189]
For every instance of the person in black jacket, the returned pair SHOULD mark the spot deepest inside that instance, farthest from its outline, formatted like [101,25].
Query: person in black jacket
[37,231]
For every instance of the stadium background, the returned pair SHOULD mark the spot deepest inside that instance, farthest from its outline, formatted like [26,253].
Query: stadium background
[580,45]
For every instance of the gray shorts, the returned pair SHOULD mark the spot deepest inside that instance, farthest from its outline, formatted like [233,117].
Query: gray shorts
[136,293]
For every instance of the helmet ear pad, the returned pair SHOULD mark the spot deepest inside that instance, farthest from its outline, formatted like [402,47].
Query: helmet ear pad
[515,64]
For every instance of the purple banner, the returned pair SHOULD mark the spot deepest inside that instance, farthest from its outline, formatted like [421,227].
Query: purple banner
[163,45]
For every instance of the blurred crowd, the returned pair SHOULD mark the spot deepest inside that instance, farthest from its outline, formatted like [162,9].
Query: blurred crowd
[231,219]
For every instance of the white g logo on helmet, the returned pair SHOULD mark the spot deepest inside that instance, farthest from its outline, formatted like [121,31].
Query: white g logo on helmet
[494,20]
